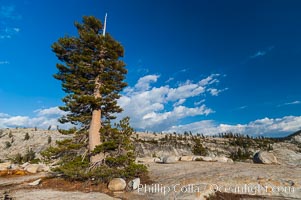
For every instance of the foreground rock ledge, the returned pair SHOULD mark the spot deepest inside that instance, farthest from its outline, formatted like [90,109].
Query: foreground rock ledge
[58,195]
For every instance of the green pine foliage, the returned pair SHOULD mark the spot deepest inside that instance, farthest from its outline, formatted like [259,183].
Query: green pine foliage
[89,61]
[68,132]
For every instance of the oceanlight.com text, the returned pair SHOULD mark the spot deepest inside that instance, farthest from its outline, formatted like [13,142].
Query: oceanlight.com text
[252,189]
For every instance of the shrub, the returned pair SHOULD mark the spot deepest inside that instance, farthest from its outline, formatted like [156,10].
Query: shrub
[198,148]
[10,134]
[49,139]
[240,155]
[270,147]
[17,158]
[29,156]
[26,137]
[7,144]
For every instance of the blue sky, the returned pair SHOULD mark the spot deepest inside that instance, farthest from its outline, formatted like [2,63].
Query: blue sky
[204,66]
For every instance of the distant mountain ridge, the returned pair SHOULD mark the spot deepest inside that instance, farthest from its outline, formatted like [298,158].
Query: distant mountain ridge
[296,136]
[297,133]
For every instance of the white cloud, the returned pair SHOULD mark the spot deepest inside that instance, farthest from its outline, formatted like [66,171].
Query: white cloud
[289,103]
[157,108]
[8,32]
[5,36]
[293,103]
[170,79]
[50,111]
[265,126]
[185,91]
[2,115]
[262,52]
[9,12]
[4,62]
[15,120]
[242,107]
[258,54]
[142,70]
[180,102]
[43,119]
[149,107]
[199,102]
[216,92]
[209,80]
[17,30]
[151,118]
[144,82]
[8,16]
[162,119]
[176,74]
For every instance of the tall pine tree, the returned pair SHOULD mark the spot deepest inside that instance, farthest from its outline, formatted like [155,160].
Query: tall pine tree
[92,75]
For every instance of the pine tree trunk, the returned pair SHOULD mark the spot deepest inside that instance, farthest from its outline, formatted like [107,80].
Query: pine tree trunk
[94,134]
